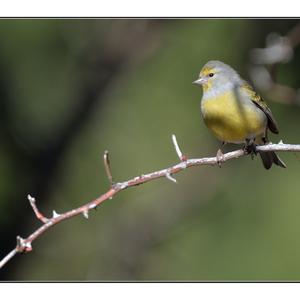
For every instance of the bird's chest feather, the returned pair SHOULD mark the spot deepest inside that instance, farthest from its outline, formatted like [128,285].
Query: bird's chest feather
[231,118]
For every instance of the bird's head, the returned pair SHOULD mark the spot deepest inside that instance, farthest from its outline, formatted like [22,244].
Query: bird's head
[216,74]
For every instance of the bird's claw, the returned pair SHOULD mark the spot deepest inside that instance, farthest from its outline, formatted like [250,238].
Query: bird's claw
[250,149]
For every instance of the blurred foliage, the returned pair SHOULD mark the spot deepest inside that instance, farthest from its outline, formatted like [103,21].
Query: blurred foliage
[70,89]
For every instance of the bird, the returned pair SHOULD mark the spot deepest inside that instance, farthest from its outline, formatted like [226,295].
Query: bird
[235,112]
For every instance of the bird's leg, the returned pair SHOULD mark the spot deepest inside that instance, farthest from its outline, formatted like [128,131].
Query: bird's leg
[220,157]
[250,147]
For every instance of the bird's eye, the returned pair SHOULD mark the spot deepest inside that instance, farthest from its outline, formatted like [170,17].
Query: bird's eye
[211,74]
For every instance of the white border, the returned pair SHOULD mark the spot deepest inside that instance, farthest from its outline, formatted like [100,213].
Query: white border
[150,8]
[150,291]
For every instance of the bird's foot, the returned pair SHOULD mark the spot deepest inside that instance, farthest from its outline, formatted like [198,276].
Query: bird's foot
[220,157]
[250,148]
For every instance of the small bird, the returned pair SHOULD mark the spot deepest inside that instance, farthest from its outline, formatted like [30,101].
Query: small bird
[234,112]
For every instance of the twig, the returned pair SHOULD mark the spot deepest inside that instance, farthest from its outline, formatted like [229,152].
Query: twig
[24,245]
[38,214]
[177,149]
[107,167]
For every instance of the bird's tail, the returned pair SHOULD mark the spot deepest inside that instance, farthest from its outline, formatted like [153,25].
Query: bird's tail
[268,158]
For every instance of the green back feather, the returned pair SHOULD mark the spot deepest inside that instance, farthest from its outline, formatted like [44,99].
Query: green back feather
[260,103]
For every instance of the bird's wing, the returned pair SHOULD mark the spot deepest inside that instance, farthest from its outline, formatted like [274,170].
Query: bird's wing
[260,103]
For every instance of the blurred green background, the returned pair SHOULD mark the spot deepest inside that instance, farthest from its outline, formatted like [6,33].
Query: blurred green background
[70,89]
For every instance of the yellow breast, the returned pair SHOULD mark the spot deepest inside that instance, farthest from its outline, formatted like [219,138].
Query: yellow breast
[232,120]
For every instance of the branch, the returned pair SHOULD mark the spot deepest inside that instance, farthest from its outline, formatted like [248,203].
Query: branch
[279,49]
[25,245]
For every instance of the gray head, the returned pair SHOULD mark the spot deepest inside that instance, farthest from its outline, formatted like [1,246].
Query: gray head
[215,73]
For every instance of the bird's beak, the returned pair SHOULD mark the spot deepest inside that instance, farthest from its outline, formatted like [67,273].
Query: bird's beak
[199,81]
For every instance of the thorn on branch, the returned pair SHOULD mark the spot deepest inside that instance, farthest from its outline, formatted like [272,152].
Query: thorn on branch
[177,149]
[38,214]
[55,214]
[169,176]
[22,245]
[107,167]
[86,214]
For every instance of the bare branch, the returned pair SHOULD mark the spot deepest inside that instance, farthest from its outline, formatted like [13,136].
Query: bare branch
[279,49]
[24,245]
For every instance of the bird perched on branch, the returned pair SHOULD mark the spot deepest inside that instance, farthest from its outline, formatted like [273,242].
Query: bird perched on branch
[234,112]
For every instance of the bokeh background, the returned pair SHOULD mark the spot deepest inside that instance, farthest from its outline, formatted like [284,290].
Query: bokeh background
[70,89]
